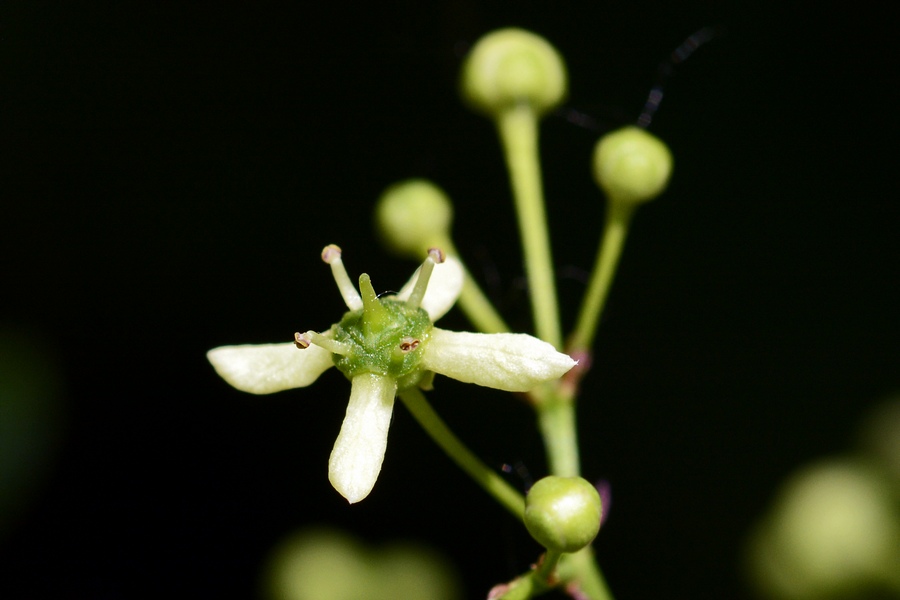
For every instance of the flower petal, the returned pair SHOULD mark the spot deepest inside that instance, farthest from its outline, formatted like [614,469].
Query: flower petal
[359,449]
[443,288]
[515,362]
[268,368]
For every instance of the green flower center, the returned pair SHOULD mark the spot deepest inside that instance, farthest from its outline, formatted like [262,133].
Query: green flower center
[388,341]
[384,337]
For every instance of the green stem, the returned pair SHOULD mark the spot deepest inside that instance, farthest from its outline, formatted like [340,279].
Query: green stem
[556,419]
[577,572]
[518,133]
[473,301]
[492,483]
[581,569]
[546,569]
[535,582]
[615,230]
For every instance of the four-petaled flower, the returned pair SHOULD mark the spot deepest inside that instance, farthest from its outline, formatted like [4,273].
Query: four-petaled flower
[385,345]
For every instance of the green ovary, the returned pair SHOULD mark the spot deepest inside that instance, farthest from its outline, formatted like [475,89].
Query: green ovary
[383,348]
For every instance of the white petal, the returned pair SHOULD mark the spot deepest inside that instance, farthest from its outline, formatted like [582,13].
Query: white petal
[359,449]
[514,362]
[268,368]
[443,288]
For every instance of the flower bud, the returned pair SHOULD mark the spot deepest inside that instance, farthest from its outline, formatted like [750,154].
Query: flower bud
[563,513]
[512,66]
[412,216]
[631,165]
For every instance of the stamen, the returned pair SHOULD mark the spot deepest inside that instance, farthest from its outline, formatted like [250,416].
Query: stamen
[435,256]
[408,344]
[333,346]
[331,255]
[375,316]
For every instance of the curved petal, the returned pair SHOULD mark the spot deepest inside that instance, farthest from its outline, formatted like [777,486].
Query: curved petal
[358,452]
[515,362]
[443,288]
[268,368]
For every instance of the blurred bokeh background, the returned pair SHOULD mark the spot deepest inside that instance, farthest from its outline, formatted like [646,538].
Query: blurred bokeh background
[170,171]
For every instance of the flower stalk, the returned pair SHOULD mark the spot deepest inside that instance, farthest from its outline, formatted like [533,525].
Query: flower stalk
[488,479]
[518,129]
[514,76]
[609,251]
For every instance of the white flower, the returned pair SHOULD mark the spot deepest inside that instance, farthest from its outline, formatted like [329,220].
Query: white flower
[384,345]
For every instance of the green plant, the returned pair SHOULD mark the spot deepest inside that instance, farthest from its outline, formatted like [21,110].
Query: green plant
[389,346]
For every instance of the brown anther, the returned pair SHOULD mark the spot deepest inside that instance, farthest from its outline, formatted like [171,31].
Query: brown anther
[437,255]
[408,344]
[301,340]
[330,253]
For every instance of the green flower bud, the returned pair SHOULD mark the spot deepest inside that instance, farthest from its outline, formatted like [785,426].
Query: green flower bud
[563,513]
[631,165]
[513,66]
[412,216]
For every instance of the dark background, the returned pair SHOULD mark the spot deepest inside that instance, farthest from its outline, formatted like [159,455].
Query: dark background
[170,171]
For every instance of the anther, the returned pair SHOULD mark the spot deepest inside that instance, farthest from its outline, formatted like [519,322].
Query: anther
[301,340]
[408,344]
[331,254]
[437,255]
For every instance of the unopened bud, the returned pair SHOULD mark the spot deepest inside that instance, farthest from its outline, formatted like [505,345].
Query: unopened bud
[563,513]
[413,216]
[631,165]
[513,66]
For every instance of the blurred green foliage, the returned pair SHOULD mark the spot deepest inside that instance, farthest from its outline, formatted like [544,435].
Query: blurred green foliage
[30,420]
[320,564]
